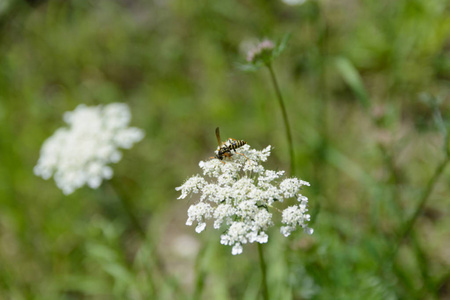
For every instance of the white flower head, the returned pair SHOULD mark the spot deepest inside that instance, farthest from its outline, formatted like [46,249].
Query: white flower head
[240,195]
[80,153]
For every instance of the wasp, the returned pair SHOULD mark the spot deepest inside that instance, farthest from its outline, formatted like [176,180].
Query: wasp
[226,148]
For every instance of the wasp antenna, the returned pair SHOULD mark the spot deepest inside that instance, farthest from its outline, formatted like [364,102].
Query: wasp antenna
[218,136]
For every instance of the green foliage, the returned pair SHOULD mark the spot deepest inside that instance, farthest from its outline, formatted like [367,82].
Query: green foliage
[351,76]
[353,79]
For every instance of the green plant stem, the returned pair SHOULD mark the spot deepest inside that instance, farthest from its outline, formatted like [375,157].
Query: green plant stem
[129,210]
[200,274]
[262,264]
[285,117]
[426,194]
[442,281]
[128,206]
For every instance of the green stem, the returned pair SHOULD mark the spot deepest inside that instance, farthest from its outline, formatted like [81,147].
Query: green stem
[321,157]
[200,274]
[442,281]
[262,264]
[129,209]
[429,188]
[285,117]
[128,206]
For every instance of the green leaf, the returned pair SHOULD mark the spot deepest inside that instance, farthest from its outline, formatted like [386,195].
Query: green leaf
[281,46]
[351,76]
[248,67]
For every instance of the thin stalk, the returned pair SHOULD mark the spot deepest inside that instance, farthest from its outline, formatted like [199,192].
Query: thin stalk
[442,281]
[412,220]
[128,206]
[423,263]
[262,264]
[129,210]
[200,274]
[321,157]
[285,117]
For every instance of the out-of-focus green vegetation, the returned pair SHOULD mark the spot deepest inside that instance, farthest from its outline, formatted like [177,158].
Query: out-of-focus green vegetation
[358,78]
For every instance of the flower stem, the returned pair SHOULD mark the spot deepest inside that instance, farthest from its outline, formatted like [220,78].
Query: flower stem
[425,196]
[285,117]
[262,264]
[121,193]
[128,206]
[200,274]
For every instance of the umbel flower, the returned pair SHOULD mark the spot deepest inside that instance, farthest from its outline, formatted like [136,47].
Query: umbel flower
[240,195]
[80,153]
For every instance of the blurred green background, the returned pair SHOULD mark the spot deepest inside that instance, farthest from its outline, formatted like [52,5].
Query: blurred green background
[363,82]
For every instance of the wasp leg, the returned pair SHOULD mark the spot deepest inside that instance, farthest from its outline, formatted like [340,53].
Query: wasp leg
[242,155]
[217,158]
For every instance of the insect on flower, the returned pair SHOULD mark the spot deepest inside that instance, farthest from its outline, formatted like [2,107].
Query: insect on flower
[225,148]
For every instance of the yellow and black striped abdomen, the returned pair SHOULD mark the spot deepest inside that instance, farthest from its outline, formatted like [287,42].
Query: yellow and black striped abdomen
[234,144]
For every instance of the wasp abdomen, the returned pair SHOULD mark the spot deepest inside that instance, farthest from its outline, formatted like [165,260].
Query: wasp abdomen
[236,144]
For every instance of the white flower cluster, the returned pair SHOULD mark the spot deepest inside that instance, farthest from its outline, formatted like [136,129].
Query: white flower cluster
[239,194]
[80,154]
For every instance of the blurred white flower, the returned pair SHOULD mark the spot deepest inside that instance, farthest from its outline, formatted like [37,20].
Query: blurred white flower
[80,153]
[294,2]
[240,195]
